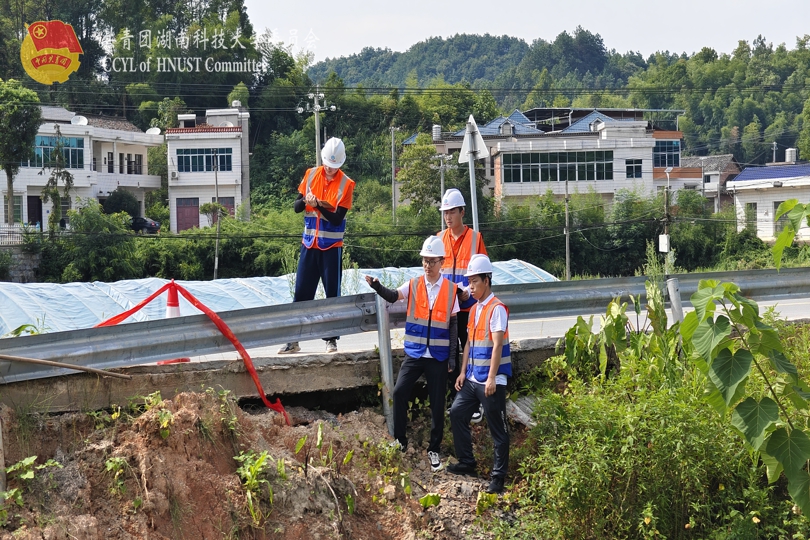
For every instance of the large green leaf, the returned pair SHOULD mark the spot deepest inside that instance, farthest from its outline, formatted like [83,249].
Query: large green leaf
[772,466]
[791,449]
[729,370]
[753,419]
[714,398]
[689,325]
[763,339]
[781,364]
[703,299]
[799,489]
[709,334]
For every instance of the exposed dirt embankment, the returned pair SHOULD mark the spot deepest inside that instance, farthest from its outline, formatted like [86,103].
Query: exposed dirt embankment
[167,470]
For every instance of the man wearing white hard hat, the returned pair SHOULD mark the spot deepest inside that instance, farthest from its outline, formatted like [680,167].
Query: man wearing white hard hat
[485,366]
[460,244]
[324,195]
[430,342]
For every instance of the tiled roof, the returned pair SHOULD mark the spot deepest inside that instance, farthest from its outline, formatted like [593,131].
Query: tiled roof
[520,126]
[56,114]
[774,172]
[584,124]
[710,163]
[518,117]
[111,122]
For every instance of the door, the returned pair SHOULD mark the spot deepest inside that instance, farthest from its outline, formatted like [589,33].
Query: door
[188,213]
[35,210]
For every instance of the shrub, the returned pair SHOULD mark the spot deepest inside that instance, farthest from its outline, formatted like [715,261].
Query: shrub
[657,463]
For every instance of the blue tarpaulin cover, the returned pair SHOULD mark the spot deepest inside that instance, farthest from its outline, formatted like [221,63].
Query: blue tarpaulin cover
[52,307]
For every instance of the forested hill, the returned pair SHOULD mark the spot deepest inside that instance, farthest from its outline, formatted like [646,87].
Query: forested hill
[486,62]
[463,57]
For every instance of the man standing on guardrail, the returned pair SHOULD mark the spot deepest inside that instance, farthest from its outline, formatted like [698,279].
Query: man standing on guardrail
[460,243]
[485,366]
[431,338]
[325,195]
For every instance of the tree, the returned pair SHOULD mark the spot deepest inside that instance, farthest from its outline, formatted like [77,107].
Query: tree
[239,93]
[58,174]
[122,200]
[20,117]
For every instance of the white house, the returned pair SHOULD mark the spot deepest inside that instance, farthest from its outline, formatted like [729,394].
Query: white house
[758,192]
[102,153]
[604,150]
[205,158]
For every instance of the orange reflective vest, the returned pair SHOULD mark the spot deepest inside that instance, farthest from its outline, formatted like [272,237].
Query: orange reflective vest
[426,328]
[318,232]
[481,344]
[457,257]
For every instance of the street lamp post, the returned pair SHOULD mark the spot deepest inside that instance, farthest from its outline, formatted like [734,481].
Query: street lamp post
[216,212]
[393,174]
[316,107]
[442,167]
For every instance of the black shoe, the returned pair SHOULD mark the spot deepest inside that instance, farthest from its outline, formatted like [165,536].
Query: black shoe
[461,469]
[495,485]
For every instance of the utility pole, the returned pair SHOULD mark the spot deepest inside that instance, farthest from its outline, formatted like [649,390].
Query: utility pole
[703,177]
[316,107]
[216,212]
[774,151]
[567,236]
[393,174]
[442,167]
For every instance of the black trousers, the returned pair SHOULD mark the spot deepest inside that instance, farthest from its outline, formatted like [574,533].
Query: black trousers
[435,372]
[465,404]
[316,265]
[463,317]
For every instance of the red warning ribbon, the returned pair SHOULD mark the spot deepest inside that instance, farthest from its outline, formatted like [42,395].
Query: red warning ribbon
[219,323]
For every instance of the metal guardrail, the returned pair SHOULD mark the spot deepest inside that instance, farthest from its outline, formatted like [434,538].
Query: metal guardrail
[144,342]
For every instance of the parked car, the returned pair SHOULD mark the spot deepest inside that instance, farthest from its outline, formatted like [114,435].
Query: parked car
[145,225]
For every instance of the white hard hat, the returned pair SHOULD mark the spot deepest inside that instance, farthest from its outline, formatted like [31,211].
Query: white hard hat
[479,264]
[333,153]
[452,199]
[433,247]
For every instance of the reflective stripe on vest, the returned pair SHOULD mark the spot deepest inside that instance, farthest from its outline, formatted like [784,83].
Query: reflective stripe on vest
[481,344]
[316,227]
[426,328]
[455,264]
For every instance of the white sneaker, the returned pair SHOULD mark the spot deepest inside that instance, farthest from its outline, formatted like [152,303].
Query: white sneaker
[435,461]
[331,346]
[396,444]
[289,348]
[477,415]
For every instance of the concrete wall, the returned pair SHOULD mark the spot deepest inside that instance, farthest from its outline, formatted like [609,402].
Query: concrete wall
[280,377]
[23,265]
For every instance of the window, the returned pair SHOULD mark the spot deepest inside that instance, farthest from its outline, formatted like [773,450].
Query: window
[779,224]
[110,164]
[120,163]
[707,178]
[558,166]
[667,154]
[751,217]
[633,168]
[17,208]
[44,148]
[138,163]
[65,205]
[202,159]
[129,163]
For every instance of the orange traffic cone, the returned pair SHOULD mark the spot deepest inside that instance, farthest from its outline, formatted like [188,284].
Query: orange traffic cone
[173,310]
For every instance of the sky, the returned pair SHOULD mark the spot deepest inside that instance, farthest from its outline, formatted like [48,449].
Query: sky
[332,29]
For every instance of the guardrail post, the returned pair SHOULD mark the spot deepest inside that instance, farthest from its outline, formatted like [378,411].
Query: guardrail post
[674,292]
[386,362]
